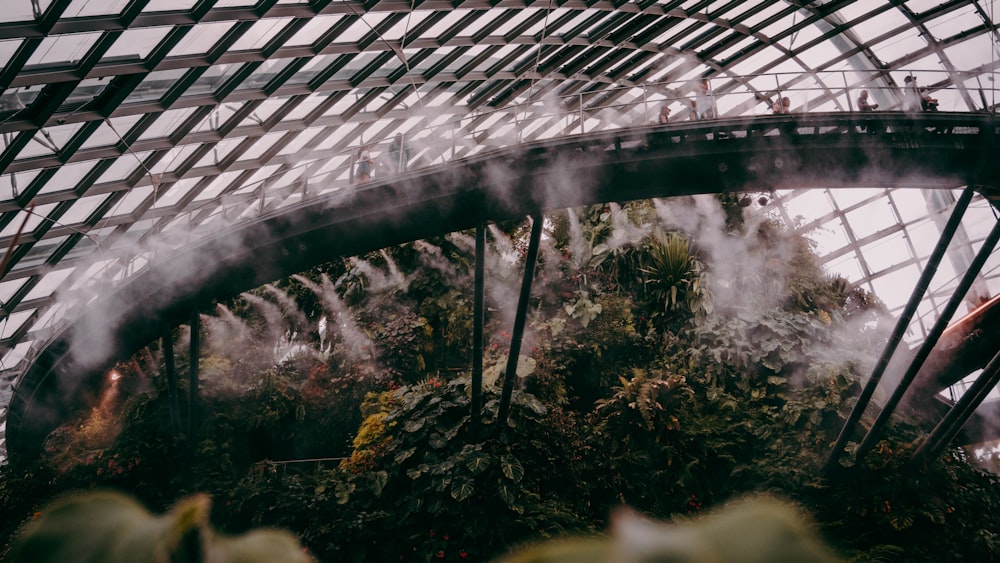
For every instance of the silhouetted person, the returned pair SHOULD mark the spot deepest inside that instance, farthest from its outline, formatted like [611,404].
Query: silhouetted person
[399,154]
[664,116]
[864,104]
[914,99]
[365,164]
[704,100]
[782,106]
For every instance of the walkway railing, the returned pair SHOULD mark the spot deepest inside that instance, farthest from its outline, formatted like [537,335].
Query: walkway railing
[439,139]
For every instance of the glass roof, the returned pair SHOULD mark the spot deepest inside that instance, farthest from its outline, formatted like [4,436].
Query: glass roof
[129,126]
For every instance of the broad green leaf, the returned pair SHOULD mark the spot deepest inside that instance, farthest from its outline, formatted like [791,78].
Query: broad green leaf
[404,455]
[535,405]
[512,468]
[414,425]
[257,546]
[379,480]
[437,441]
[343,492]
[508,494]
[452,432]
[478,463]
[415,472]
[108,527]
[525,365]
[462,489]
[113,528]
[441,485]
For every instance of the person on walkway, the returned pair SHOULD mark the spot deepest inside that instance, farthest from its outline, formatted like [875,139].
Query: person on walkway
[664,116]
[704,101]
[914,99]
[365,164]
[782,106]
[399,154]
[864,104]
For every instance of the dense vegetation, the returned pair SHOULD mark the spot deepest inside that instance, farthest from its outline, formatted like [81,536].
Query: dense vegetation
[678,356]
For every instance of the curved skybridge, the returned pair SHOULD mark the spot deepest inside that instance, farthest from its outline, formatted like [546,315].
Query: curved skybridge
[836,150]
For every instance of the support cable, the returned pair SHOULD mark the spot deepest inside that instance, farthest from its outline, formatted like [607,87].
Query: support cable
[933,261]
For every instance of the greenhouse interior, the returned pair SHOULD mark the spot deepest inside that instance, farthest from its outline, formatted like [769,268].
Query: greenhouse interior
[492,280]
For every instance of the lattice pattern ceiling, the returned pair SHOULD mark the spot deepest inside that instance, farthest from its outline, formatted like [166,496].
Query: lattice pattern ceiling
[130,126]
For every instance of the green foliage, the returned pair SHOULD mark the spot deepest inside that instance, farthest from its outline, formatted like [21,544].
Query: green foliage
[674,276]
[632,388]
[112,528]
[465,475]
[753,530]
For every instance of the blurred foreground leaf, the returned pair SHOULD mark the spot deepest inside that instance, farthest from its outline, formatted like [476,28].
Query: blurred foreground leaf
[760,530]
[107,527]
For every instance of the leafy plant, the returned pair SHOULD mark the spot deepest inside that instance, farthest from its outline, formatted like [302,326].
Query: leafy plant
[113,528]
[751,530]
[674,276]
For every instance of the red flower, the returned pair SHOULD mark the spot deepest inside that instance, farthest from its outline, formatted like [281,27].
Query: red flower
[440,554]
[463,554]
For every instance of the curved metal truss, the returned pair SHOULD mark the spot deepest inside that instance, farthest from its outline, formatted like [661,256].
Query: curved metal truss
[132,127]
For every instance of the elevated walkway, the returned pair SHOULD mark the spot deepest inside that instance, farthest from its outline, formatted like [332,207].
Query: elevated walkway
[835,150]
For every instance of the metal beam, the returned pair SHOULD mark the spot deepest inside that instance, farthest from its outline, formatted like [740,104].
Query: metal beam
[167,343]
[928,345]
[510,373]
[933,261]
[959,413]
[192,421]
[478,299]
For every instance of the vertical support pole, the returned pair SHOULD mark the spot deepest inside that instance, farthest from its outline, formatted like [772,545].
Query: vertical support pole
[510,373]
[933,261]
[847,92]
[478,310]
[167,343]
[645,106]
[948,428]
[581,113]
[193,374]
[928,345]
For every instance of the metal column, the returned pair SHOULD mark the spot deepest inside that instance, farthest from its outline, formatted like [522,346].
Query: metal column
[932,338]
[510,373]
[948,428]
[933,261]
[167,342]
[478,310]
[192,421]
